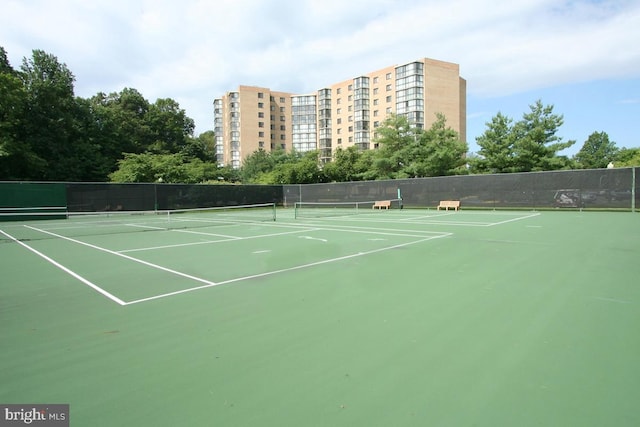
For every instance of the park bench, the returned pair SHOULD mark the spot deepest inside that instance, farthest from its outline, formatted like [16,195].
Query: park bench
[446,204]
[382,204]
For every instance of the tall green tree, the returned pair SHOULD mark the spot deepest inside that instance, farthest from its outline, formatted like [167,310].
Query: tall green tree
[536,143]
[255,164]
[409,152]
[597,151]
[344,166]
[202,147]
[396,139]
[439,152]
[17,157]
[169,126]
[53,130]
[496,154]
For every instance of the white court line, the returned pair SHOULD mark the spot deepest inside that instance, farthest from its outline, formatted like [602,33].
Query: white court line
[226,236]
[68,271]
[284,270]
[206,242]
[148,264]
[515,219]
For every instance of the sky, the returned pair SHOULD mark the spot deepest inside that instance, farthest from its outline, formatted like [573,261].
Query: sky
[581,56]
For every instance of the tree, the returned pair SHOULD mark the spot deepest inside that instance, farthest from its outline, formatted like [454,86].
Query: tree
[169,126]
[344,166]
[255,164]
[52,130]
[168,168]
[597,151]
[395,139]
[409,152]
[16,156]
[202,147]
[439,152]
[496,144]
[536,143]
[627,157]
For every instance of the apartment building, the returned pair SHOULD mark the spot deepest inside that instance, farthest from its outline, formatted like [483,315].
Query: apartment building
[341,115]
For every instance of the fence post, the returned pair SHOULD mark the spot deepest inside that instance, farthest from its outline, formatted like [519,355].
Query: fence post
[633,189]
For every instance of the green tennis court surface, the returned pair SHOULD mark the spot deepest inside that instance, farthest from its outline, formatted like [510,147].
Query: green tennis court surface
[384,318]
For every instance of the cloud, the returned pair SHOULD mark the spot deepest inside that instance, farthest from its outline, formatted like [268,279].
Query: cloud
[196,50]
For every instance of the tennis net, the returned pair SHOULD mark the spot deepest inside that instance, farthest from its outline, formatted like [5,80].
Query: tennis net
[21,225]
[335,209]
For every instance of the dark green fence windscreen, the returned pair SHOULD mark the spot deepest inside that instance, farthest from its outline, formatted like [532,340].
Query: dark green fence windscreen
[583,189]
[578,189]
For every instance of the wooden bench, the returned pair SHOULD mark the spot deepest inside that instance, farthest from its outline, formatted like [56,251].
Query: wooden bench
[382,204]
[446,204]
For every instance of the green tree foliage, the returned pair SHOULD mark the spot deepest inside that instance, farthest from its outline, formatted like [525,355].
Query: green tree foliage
[169,126]
[440,152]
[408,152]
[16,157]
[168,168]
[202,147]
[345,166]
[596,152]
[51,132]
[537,144]
[397,141]
[496,153]
[255,164]
[626,157]
[531,144]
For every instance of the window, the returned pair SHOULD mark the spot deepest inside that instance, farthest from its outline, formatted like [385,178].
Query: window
[375,90]
[260,124]
[283,127]
[375,113]
[375,102]
[261,134]
[339,140]
[350,87]
[282,99]
[339,100]
[388,88]
[339,111]
[388,76]
[260,144]
[338,91]
[260,95]
[388,98]
[375,80]
[261,115]
[282,118]
[260,104]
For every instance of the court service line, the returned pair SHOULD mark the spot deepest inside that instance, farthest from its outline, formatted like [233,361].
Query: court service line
[109,251]
[67,270]
[514,219]
[206,242]
[284,270]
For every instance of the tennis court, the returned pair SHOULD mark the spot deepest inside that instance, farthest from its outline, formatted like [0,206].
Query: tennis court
[332,317]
